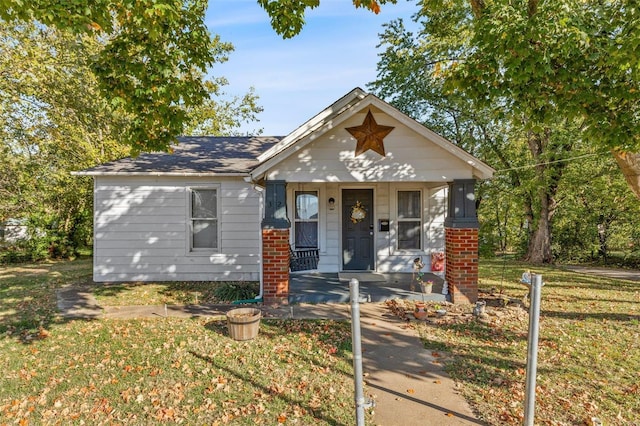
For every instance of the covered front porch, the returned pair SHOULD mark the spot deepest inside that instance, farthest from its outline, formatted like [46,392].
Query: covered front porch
[370,190]
[316,287]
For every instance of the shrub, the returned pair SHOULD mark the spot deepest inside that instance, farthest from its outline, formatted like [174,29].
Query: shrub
[228,292]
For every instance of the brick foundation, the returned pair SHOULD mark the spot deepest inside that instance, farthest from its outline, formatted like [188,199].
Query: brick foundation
[461,271]
[275,265]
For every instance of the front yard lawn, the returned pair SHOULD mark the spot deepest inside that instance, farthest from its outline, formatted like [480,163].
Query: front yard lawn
[165,370]
[588,356]
[299,372]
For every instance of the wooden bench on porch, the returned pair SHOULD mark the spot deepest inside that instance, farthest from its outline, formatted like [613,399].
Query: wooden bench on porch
[303,259]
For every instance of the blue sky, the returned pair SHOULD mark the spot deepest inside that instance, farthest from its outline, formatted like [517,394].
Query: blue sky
[297,78]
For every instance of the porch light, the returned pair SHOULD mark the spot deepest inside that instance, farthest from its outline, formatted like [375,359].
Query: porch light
[332,203]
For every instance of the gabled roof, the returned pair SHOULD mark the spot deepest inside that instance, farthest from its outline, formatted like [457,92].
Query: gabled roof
[343,109]
[243,156]
[193,156]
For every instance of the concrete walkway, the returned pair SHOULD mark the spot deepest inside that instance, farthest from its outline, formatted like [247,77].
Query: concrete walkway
[620,274]
[407,383]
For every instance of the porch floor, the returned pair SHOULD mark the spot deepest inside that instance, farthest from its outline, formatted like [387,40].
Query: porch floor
[315,287]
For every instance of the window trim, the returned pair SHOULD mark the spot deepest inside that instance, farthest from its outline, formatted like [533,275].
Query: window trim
[419,218]
[295,220]
[205,250]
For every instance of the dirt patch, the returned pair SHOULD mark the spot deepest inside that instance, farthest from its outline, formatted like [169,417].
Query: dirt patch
[498,309]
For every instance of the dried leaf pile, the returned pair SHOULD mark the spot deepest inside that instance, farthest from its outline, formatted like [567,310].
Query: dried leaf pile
[178,371]
[588,351]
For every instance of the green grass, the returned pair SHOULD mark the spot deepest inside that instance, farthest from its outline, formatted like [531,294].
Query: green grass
[165,370]
[143,371]
[28,292]
[174,293]
[188,370]
[589,350]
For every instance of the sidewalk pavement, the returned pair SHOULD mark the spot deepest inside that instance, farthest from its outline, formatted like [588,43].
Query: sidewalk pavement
[406,381]
[617,273]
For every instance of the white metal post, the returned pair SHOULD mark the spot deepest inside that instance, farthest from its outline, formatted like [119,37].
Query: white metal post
[535,291]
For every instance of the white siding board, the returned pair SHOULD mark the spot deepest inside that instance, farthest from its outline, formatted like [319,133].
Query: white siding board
[146,211]
[145,237]
[202,263]
[160,243]
[160,219]
[435,220]
[227,226]
[141,230]
[246,235]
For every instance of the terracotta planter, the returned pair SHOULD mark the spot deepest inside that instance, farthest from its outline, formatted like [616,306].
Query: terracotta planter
[420,311]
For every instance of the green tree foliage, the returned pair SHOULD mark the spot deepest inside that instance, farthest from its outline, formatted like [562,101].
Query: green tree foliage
[152,63]
[287,16]
[52,121]
[543,60]
[597,214]
[221,115]
[537,61]
[519,205]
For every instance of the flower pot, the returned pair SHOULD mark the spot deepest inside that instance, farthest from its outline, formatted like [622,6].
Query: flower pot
[420,312]
[243,323]
[426,287]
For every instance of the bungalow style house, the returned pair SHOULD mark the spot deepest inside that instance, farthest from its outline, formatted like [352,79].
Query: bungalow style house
[360,185]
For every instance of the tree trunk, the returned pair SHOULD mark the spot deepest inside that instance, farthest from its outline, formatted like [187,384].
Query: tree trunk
[603,237]
[630,165]
[539,248]
[548,175]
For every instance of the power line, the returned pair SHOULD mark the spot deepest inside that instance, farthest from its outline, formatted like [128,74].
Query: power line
[549,162]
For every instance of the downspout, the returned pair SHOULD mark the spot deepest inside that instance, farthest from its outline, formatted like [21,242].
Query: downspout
[258,298]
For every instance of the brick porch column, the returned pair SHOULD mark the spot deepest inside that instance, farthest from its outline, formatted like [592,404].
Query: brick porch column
[275,265]
[461,242]
[461,270]
[275,244]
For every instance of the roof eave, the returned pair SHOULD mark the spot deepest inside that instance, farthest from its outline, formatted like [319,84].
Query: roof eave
[481,169]
[190,174]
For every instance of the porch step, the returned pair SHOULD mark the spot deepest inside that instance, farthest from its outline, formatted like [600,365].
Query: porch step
[328,288]
[376,297]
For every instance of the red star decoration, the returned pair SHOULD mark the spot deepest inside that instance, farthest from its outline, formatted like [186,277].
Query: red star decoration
[369,135]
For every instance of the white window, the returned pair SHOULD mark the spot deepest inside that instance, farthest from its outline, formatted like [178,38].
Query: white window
[409,220]
[306,219]
[203,213]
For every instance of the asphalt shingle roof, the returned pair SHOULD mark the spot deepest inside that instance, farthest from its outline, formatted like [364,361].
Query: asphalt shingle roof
[194,155]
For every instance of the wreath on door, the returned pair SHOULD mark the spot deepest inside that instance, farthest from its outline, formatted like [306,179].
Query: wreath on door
[358,213]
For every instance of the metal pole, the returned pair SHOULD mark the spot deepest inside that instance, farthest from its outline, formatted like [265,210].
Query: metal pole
[356,343]
[532,349]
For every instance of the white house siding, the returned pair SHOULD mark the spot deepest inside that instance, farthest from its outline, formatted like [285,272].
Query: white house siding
[410,157]
[141,230]
[388,259]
